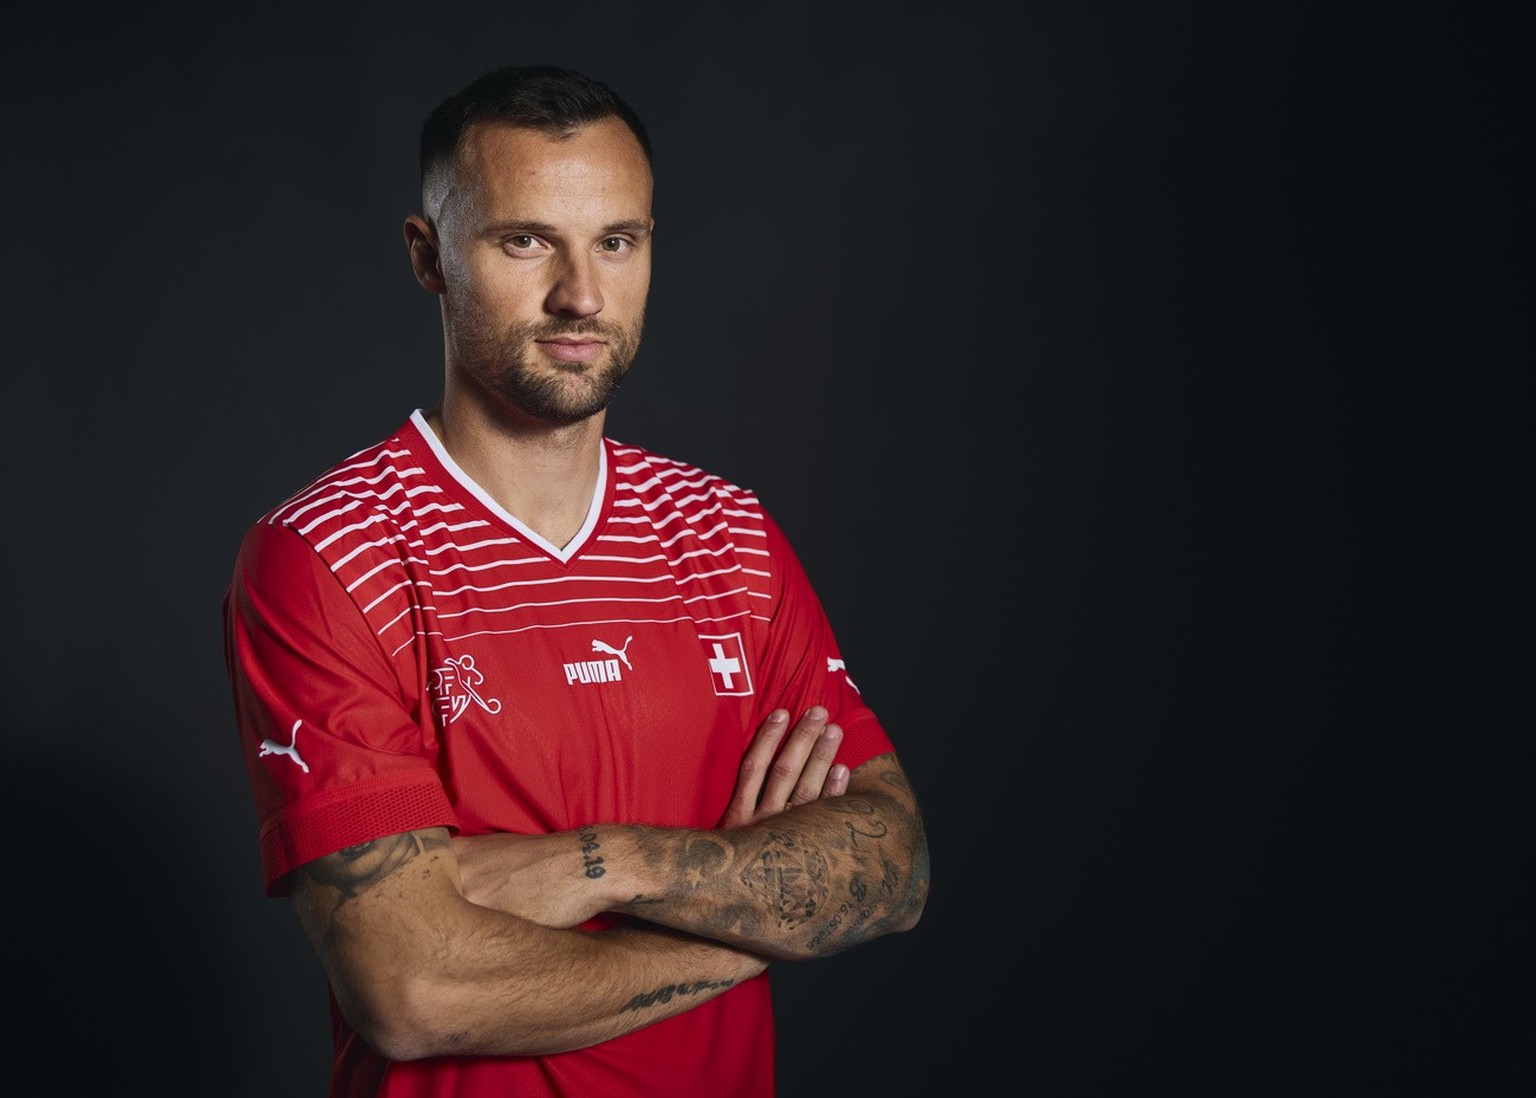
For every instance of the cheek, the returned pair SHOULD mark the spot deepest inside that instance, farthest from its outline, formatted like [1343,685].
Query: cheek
[629,292]
[500,288]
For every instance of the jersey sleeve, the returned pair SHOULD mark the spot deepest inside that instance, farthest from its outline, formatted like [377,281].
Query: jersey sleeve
[334,754]
[803,664]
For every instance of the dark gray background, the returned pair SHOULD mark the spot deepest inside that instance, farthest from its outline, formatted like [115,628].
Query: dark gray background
[1111,366]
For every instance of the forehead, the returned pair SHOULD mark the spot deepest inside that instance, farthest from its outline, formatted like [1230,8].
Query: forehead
[513,171]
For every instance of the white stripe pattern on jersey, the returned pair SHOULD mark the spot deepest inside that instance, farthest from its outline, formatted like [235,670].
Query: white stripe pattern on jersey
[679,544]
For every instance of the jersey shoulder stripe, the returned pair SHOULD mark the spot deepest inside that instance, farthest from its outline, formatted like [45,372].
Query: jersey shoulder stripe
[420,554]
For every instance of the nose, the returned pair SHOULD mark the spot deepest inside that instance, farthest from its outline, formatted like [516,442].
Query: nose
[575,291]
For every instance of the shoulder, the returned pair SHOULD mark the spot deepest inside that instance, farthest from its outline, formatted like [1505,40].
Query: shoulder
[645,478]
[679,498]
[370,501]
[353,516]
[389,469]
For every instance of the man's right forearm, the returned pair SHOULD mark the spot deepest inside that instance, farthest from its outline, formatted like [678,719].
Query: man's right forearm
[420,971]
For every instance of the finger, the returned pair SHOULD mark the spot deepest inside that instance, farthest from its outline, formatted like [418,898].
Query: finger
[818,768]
[754,769]
[790,763]
[837,781]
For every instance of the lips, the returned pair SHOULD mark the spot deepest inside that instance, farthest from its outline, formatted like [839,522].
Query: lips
[572,350]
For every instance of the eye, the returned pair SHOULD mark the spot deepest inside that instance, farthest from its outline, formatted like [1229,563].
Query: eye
[520,242]
[615,245]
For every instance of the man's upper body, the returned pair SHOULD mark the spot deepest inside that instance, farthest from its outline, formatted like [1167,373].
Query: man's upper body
[505,684]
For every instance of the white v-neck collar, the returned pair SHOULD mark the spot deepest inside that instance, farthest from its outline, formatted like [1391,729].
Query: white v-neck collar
[571,548]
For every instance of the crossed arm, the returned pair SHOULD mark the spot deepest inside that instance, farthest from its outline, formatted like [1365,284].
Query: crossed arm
[439,946]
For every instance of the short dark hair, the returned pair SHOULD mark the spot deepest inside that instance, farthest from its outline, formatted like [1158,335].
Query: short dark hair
[541,97]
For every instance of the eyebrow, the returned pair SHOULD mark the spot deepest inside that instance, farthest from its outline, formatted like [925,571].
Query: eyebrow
[632,226]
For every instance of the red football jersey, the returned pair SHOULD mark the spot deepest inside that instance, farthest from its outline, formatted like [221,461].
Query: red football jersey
[407,654]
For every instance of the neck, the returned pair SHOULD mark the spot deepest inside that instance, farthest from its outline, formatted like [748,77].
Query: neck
[543,475]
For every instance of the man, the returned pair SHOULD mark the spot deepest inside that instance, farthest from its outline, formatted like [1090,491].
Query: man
[516,698]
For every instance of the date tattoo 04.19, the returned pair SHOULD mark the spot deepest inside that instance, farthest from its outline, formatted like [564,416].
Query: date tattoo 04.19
[589,860]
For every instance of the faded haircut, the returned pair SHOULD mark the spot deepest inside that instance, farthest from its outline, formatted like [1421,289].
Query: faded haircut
[540,97]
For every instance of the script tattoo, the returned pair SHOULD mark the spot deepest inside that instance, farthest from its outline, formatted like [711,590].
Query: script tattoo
[871,826]
[665,994]
[878,894]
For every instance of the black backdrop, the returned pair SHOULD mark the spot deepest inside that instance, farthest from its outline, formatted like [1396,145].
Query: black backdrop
[1080,350]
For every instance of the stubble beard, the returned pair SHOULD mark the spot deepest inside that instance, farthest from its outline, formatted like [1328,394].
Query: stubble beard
[510,365]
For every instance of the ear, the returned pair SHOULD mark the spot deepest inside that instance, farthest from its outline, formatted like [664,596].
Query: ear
[426,260]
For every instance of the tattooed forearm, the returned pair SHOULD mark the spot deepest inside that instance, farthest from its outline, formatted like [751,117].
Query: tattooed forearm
[665,994]
[355,869]
[857,869]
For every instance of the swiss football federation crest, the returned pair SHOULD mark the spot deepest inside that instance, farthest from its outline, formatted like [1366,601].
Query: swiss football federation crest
[727,659]
[457,683]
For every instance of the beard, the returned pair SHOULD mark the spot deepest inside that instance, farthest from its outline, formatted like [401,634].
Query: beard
[508,364]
